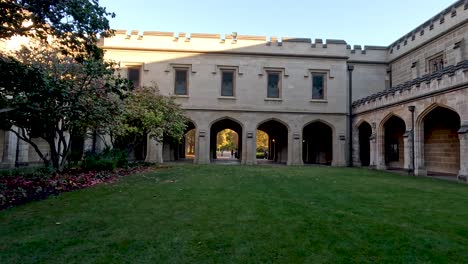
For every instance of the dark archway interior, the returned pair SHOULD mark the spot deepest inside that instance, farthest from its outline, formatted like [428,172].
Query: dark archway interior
[395,128]
[277,140]
[176,150]
[441,143]
[317,144]
[365,132]
[186,144]
[218,127]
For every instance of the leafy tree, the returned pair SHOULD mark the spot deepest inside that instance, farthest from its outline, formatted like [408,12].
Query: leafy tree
[148,113]
[262,141]
[53,95]
[75,24]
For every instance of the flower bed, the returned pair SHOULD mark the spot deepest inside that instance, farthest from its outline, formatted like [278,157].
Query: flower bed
[19,189]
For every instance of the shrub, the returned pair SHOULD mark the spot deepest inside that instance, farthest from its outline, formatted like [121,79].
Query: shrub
[107,160]
[260,155]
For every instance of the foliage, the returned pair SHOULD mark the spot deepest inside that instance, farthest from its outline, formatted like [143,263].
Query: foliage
[227,139]
[75,24]
[107,160]
[20,186]
[262,141]
[54,95]
[148,113]
[260,155]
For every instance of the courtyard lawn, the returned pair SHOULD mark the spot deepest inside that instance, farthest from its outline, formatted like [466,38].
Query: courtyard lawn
[237,214]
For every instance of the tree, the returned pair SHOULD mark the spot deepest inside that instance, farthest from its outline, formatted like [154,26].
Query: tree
[262,141]
[75,24]
[148,113]
[54,96]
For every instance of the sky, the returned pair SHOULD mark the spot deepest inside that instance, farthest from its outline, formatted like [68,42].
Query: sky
[358,22]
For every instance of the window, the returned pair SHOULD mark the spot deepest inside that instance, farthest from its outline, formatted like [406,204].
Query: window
[274,84]
[133,75]
[181,81]
[227,82]
[318,86]
[436,63]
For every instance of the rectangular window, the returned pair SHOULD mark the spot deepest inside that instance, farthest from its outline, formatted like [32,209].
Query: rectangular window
[436,64]
[318,86]
[181,81]
[274,85]
[227,83]
[133,75]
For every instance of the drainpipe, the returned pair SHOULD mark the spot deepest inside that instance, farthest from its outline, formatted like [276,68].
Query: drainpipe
[411,108]
[350,114]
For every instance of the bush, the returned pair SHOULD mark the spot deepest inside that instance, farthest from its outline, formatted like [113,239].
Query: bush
[107,160]
[28,172]
[260,155]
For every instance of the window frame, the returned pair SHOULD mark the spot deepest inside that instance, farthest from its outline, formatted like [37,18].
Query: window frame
[436,57]
[233,70]
[280,83]
[138,68]
[324,74]
[187,80]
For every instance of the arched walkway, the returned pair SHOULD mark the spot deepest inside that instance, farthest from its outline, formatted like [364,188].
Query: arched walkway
[186,147]
[394,152]
[441,146]
[218,126]
[277,140]
[317,144]
[365,132]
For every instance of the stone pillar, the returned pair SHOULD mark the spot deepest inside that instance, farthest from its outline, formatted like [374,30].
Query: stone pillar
[463,136]
[9,150]
[22,155]
[249,157]
[203,146]
[407,150]
[154,151]
[373,151]
[339,151]
[295,150]
[356,149]
[380,153]
[420,166]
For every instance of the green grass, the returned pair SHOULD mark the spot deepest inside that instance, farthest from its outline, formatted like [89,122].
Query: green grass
[236,214]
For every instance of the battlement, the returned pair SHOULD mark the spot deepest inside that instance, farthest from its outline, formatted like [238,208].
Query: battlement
[233,42]
[450,18]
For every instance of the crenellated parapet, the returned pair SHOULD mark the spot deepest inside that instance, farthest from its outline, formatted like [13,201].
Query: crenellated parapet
[449,19]
[451,77]
[368,54]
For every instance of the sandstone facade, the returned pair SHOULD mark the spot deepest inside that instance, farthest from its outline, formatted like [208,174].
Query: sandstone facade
[425,71]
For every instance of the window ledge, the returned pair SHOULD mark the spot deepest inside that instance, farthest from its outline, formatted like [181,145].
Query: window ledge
[318,101]
[227,98]
[274,99]
[181,95]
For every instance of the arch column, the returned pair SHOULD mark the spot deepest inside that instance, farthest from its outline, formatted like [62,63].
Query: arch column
[407,150]
[356,148]
[202,143]
[373,151]
[295,151]
[154,150]
[463,137]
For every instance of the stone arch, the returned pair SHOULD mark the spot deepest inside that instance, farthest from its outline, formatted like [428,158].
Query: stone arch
[364,133]
[439,147]
[392,130]
[177,150]
[277,131]
[317,142]
[220,124]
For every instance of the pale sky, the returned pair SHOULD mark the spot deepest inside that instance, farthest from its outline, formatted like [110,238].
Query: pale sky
[358,22]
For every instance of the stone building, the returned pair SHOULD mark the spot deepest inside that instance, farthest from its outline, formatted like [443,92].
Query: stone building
[319,101]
